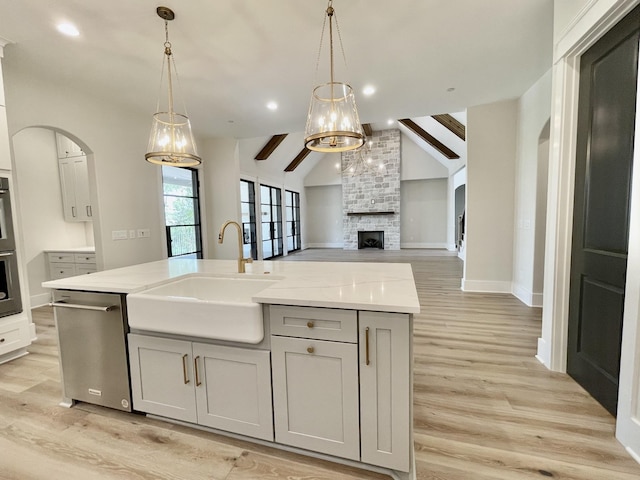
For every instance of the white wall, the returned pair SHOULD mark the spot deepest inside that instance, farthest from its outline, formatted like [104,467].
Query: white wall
[43,223]
[417,164]
[564,12]
[423,217]
[491,151]
[534,110]
[125,188]
[324,217]
[221,179]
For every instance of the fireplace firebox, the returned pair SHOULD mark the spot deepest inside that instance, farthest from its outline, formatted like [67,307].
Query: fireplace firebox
[371,239]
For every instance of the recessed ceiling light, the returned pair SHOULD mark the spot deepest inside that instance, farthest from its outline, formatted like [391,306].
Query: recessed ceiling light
[272,106]
[68,29]
[368,90]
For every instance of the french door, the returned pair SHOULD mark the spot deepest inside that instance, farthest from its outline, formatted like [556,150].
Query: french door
[248,209]
[182,212]
[271,221]
[292,205]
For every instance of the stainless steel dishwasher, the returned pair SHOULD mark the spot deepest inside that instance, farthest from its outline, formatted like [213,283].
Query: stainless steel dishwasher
[92,330]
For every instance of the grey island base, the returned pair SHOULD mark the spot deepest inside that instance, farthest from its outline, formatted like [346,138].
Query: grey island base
[314,358]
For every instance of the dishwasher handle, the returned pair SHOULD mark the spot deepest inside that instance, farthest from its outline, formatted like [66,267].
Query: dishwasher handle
[95,308]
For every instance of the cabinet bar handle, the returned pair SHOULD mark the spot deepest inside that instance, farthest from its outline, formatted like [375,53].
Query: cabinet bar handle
[310,324]
[195,365]
[366,345]
[184,368]
[73,211]
[89,211]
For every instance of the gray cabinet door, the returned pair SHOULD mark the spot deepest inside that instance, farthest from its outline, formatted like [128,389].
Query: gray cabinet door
[315,387]
[385,389]
[233,389]
[162,377]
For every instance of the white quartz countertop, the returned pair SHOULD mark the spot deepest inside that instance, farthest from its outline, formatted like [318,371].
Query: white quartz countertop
[385,287]
[72,250]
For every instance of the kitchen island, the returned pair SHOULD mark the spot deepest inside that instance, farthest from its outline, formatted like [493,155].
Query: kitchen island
[328,376]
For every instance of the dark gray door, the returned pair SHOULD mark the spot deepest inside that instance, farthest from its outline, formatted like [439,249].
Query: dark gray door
[606,121]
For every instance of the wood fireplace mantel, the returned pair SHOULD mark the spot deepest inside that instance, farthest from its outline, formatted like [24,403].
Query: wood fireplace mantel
[354,214]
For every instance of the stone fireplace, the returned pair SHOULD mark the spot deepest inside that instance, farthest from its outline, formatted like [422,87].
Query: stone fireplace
[371,201]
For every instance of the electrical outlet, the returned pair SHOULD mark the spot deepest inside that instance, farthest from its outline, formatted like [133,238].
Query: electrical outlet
[118,235]
[144,233]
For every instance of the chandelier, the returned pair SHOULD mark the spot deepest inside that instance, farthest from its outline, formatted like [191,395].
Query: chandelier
[332,123]
[361,162]
[171,141]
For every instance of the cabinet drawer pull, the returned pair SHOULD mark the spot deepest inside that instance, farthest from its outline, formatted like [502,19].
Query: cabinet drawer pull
[310,324]
[195,366]
[184,368]
[89,214]
[1,340]
[366,345]
[310,349]
[73,211]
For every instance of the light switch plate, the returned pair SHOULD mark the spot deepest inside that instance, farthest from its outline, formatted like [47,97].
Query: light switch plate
[144,233]
[119,235]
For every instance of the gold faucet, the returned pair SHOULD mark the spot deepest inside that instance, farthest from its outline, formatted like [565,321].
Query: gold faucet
[241,261]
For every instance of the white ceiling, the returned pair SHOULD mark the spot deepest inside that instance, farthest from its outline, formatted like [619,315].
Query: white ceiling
[234,56]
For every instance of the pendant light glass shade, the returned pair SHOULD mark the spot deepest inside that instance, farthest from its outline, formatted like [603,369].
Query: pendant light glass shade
[333,124]
[171,141]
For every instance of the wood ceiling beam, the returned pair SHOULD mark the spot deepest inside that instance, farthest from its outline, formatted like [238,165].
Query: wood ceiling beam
[430,139]
[298,160]
[368,131]
[452,124]
[270,146]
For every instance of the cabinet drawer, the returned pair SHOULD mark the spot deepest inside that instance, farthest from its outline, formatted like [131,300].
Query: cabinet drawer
[59,257]
[85,258]
[13,336]
[83,269]
[317,323]
[62,270]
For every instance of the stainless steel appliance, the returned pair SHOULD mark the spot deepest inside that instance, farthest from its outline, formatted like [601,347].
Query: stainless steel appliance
[10,301]
[92,330]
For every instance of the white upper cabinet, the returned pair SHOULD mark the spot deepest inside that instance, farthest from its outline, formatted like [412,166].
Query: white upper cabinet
[67,147]
[74,181]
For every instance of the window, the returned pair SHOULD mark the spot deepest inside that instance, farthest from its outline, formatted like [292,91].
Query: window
[182,212]
[271,219]
[248,208]
[293,220]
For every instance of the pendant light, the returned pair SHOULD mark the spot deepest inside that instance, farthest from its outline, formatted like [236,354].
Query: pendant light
[171,141]
[332,123]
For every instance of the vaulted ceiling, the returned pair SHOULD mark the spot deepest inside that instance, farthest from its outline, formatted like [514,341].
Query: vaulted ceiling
[235,56]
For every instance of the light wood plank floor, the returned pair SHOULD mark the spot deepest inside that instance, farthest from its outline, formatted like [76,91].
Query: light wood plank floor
[484,407]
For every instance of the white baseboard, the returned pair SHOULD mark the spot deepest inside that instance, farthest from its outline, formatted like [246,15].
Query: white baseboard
[527,297]
[40,300]
[485,286]
[325,245]
[543,355]
[425,245]
[633,454]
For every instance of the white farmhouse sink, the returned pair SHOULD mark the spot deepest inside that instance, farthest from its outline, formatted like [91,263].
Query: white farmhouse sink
[206,307]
